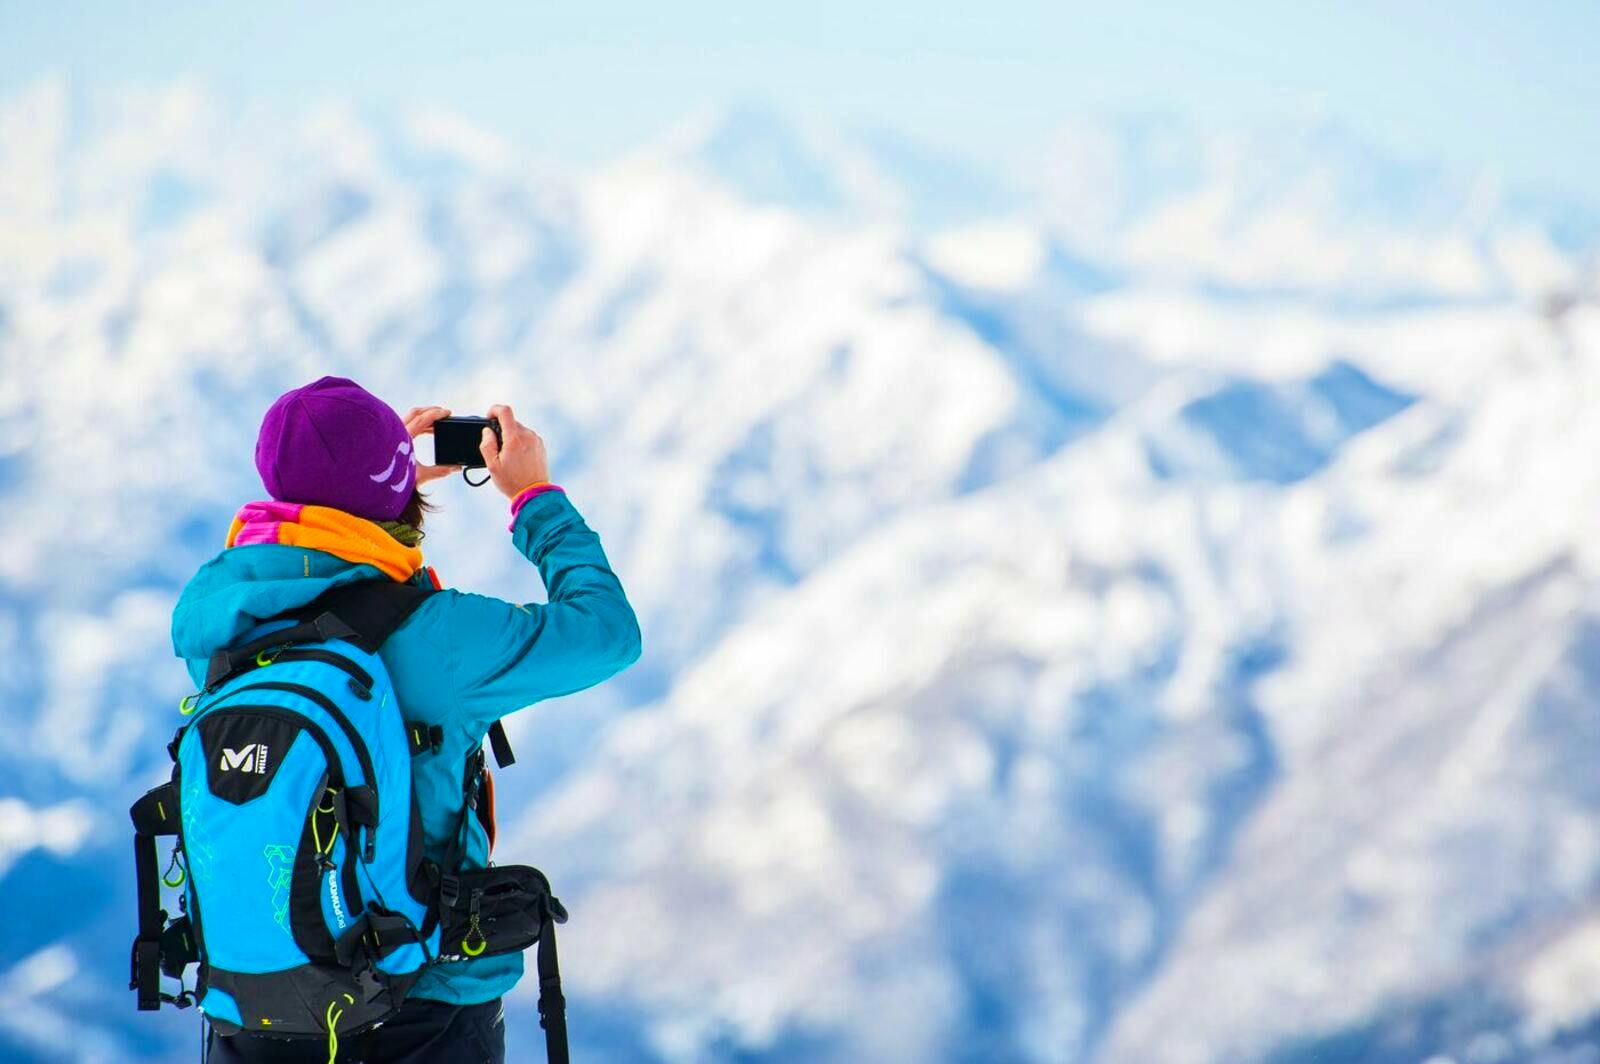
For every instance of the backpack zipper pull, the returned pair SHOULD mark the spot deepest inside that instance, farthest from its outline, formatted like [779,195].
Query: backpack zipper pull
[172,862]
[474,931]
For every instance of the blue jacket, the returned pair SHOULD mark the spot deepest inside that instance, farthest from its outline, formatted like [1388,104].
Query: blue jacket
[461,661]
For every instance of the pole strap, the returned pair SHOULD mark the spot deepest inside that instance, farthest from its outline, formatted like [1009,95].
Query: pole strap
[552,1005]
[144,977]
[154,814]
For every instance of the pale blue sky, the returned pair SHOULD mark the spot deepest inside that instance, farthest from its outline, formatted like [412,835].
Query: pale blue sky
[1510,86]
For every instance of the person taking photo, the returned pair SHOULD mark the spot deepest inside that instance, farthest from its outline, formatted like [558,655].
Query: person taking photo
[344,505]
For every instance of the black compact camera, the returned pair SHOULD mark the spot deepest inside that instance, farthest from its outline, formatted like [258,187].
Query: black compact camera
[456,440]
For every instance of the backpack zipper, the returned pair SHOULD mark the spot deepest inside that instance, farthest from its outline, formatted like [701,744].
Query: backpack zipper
[320,737]
[326,704]
[338,661]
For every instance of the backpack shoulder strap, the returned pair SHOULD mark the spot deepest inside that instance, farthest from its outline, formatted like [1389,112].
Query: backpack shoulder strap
[371,609]
[364,612]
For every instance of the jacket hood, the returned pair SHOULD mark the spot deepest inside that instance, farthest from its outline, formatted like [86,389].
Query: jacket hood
[243,586]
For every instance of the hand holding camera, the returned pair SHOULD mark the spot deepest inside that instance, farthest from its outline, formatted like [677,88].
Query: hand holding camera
[513,454]
[420,421]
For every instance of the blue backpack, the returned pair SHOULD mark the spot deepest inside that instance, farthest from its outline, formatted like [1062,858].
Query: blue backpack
[305,899]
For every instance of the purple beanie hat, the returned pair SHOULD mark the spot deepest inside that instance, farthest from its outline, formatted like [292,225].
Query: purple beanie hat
[333,443]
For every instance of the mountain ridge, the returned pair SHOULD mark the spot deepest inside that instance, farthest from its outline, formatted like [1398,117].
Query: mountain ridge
[998,602]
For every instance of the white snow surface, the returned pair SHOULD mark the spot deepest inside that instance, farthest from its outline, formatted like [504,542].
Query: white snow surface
[1143,612]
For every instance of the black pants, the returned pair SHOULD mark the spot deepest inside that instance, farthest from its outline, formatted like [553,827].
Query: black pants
[422,1032]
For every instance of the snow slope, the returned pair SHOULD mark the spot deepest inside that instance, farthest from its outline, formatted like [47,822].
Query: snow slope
[1086,618]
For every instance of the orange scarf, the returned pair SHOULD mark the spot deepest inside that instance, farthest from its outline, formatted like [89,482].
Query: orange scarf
[355,539]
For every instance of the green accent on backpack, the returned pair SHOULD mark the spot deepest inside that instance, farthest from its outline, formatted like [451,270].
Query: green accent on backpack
[280,874]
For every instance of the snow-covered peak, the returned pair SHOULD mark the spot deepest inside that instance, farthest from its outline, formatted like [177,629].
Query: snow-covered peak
[1058,603]
[1302,208]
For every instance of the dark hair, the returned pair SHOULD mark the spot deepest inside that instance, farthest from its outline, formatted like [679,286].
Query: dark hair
[416,506]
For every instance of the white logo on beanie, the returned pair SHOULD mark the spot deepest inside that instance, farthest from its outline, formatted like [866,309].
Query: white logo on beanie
[405,469]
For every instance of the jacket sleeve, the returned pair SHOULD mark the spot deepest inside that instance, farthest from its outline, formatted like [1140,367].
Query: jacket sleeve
[505,656]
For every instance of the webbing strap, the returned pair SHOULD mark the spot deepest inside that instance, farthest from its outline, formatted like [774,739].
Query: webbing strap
[552,1005]
[501,746]
[154,814]
[144,976]
[371,609]
[227,663]
[364,612]
[469,792]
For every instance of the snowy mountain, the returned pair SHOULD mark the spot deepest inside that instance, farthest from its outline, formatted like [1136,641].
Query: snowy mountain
[1304,209]
[1139,613]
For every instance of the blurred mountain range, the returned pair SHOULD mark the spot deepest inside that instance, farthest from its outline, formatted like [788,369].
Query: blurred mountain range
[1135,605]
